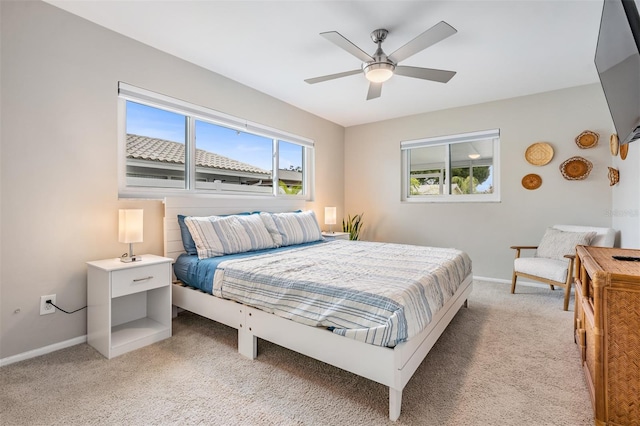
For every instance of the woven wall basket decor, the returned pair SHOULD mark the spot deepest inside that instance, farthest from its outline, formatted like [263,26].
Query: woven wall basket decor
[624,150]
[587,139]
[614,144]
[532,181]
[539,153]
[576,168]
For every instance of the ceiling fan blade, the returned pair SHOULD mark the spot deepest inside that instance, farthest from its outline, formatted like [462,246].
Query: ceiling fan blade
[437,33]
[340,41]
[441,76]
[375,90]
[332,76]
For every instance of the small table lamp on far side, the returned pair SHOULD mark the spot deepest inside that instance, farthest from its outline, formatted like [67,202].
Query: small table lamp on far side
[130,227]
[330,217]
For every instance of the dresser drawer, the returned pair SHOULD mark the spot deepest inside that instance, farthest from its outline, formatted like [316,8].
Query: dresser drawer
[134,280]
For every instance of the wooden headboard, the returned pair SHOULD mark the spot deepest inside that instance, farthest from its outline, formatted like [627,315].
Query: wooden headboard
[208,206]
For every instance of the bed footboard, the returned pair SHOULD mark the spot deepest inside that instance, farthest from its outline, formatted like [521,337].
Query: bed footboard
[392,367]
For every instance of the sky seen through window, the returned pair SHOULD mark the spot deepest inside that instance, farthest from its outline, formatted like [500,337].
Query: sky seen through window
[249,148]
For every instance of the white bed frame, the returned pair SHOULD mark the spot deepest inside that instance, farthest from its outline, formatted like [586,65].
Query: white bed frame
[392,367]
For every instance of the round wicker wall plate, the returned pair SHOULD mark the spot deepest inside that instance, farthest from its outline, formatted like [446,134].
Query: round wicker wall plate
[624,150]
[532,181]
[614,144]
[539,153]
[587,139]
[576,168]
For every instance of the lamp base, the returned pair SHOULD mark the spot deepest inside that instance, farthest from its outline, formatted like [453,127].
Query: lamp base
[128,259]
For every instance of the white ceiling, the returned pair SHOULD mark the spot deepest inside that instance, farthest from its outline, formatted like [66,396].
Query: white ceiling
[502,49]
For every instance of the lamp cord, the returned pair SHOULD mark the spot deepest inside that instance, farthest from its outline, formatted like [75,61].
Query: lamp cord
[58,307]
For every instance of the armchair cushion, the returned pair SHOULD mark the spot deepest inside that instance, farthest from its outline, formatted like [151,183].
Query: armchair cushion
[551,269]
[556,244]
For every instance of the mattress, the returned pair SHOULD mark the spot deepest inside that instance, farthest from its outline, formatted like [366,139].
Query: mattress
[377,293]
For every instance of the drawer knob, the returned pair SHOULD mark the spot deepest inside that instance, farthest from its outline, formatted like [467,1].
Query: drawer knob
[136,280]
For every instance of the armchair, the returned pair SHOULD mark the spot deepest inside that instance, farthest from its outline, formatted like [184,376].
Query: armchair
[552,263]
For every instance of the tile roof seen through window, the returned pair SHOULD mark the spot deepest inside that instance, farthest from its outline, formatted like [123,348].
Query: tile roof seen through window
[164,151]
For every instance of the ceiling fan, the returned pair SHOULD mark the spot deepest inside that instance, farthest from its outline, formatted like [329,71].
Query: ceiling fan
[380,67]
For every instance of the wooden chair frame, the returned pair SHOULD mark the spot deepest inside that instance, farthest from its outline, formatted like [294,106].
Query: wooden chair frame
[552,284]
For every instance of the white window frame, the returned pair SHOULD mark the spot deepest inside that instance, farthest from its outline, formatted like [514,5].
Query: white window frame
[127,92]
[406,146]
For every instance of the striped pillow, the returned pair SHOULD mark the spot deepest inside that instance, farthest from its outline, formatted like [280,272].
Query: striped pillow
[296,228]
[216,236]
[267,219]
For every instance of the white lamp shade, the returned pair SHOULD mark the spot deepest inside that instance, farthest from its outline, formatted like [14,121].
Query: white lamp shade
[130,225]
[329,215]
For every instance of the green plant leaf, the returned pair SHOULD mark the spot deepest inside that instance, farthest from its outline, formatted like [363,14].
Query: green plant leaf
[353,225]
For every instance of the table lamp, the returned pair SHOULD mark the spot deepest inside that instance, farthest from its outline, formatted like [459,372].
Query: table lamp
[330,217]
[130,226]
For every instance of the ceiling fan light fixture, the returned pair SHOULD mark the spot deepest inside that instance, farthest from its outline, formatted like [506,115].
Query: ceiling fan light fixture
[379,72]
[378,68]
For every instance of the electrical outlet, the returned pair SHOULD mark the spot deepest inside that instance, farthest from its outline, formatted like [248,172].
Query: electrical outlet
[46,308]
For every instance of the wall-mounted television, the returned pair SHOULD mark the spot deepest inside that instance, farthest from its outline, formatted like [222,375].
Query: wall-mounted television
[617,60]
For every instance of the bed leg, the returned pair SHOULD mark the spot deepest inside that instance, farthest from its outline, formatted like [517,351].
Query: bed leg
[466,303]
[174,311]
[395,403]
[247,344]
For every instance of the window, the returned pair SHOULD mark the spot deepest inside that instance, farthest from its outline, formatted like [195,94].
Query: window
[167,146]
[463,167]
[290,161]
[232,157]
[156,141]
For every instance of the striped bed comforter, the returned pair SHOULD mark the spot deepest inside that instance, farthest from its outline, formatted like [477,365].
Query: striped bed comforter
[378,293]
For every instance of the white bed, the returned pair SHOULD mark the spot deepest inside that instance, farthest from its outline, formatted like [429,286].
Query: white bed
[392,367]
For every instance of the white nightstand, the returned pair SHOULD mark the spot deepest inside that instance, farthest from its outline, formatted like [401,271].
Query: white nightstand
[129,304]
[335,235]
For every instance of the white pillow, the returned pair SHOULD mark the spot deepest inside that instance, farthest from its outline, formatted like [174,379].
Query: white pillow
[555,243]
[220,235]
[294,227]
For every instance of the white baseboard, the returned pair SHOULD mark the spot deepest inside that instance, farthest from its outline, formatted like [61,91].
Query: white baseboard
[44,350]
[494,280]
[519,282]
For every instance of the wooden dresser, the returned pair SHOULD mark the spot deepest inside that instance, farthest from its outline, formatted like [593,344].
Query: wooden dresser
[607,330]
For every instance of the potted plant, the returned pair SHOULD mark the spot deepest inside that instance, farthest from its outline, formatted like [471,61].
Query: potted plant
[353,225]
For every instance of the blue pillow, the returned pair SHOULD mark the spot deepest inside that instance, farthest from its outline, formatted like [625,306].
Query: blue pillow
[187,239]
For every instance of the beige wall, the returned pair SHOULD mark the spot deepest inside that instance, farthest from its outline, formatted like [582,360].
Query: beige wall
[625,211]
[59,185]
[486,230]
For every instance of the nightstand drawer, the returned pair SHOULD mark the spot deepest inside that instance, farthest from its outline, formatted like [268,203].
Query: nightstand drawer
[134,280]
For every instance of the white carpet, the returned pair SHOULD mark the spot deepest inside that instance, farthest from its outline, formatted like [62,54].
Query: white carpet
[506,360]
